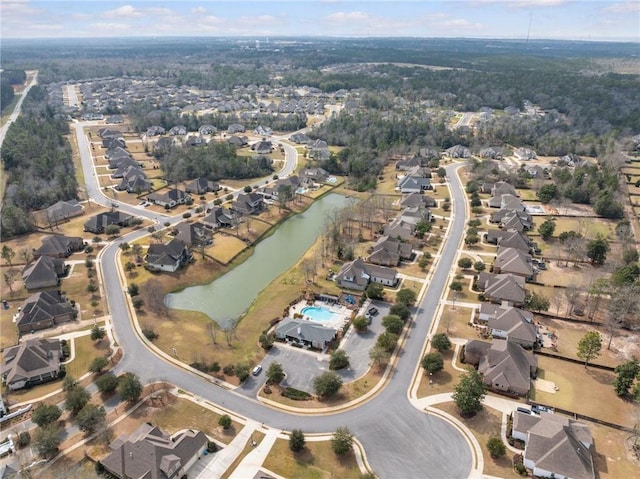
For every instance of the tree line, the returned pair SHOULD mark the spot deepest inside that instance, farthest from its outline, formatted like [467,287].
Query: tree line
[36,156]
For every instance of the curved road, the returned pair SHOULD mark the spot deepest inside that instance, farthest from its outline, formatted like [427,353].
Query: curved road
[400,441]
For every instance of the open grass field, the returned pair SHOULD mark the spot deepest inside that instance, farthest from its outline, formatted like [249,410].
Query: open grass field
[315,461]
[527,195]
[574,383]
[483,425]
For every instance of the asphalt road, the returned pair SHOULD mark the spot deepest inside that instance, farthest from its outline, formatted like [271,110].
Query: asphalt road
[16,111]
[400,441]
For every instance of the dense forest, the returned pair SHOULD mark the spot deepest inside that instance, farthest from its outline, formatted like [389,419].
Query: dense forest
[215,160]
[37,160]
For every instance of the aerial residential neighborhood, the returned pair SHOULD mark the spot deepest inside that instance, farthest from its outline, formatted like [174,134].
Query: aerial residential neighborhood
[318,257]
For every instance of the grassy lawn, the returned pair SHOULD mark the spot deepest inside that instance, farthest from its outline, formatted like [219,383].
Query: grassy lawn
[226,247]
[611,453]
[316,460]
[574,382]
[589,227]
[527,195]
[75,287]
[455,323]
[573,275]
[441,382]
[624,343]
[187,414]
[86,351]
[484,425]
[256,437]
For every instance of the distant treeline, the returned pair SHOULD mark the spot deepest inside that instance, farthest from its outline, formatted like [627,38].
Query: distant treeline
[37,160]
[8,78]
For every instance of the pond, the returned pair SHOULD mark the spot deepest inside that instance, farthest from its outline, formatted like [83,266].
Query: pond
[229,296]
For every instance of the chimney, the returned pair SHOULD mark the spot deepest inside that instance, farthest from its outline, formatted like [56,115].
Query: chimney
[299,331]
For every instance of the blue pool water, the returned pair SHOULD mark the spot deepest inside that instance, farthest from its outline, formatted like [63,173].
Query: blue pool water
[316,313]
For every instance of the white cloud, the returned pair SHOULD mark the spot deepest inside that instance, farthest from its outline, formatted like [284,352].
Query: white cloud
[522,3]
[258,21]
[81,17]
[19,8]
[348,17]
[631,6]
[158,11]
[198,10]
[110,28]
[124,12]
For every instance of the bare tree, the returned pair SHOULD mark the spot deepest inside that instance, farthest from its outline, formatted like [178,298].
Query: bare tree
[572,294]
[213,331]
[624,302]
[26,255]
[153,293]
[9,276]
[557,300]
[597,289]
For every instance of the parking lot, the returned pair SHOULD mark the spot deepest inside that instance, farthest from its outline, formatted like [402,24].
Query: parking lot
[302,366]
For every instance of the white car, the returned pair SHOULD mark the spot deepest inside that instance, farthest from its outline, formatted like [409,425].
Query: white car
[256,370]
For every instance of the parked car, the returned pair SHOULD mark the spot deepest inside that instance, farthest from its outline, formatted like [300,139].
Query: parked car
[256,370]
[538,409]
[372,311]
[524,410]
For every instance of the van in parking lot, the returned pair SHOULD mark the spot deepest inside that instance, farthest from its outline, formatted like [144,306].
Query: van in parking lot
[524,410]
[256,370]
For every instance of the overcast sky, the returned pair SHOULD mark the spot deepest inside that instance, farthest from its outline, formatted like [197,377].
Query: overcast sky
[552,19]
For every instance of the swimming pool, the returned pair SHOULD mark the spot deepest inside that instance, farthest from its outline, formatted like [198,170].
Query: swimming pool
[316,313]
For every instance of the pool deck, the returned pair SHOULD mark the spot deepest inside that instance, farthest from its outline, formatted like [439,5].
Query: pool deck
[341,313]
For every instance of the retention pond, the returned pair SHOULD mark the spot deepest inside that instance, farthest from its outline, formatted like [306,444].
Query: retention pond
[229,296]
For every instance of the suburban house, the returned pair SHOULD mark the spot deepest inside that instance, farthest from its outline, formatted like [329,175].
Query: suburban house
[316,175]
[44,310]
[414,184]
[509,239]
[220,217]
[525,154]
[319,150]
[458,151]
[502,287]
[291,183]
[300,138]
[263,147]
[357,275]
[194,234]
[507,200]
[502,188]
[120,164]
[238,141]
[155,130]
[63,210]
[43,272]
[134,180]
[490,152]
[170,198]
[417,199]
[168,257]
[109,143]
[248,204]
[59,246]
[514,261]
[400,228]
[389,252]
[505,366]
[236,128]
[415,214]
[109,133]
[207,130]
[406,164]
[151,454]
[33,361]
[193,140]
[509,219]
[99,222]
[178,130]
[202,185]
[507,322]
[304,332]
[555,446]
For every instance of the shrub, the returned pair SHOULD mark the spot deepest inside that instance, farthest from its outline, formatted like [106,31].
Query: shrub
[339,360]
[295,394]
[186,215]
[229,370]
[361,324]
[24,438]
[296,440]
[441,342]
[98,364]
[107,383]
[211,446]
[521,469]
[137,302]
[496,447]
[242,372]
[225,421]
[149,333]
[342,441]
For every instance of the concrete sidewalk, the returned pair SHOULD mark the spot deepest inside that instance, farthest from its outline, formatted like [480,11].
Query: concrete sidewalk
[253,461]
[222,460]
